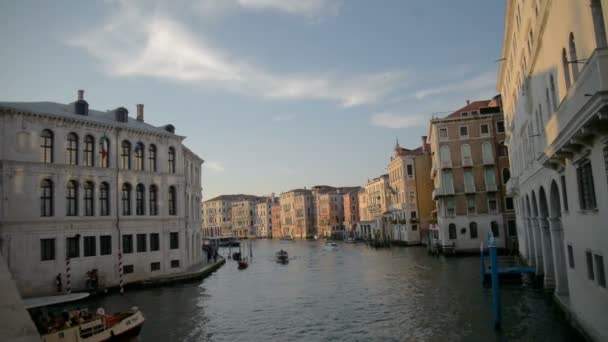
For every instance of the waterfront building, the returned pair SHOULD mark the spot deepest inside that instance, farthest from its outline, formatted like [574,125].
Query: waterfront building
[297,219]
[277,230]
[554,81]
[263,217]
[363,211]
[350,199]
[243,216]
[470,167]
[412,205]
[377,193]
[91,189]
[217,216]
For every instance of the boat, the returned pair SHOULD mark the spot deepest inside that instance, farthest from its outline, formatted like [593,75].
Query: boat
[282,256]
[316,237]
[331,244]
[287,238]
[243,264]
[350,240]
[80,325]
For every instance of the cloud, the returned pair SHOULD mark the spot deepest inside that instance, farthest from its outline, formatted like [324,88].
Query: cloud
[391,120]
[306,8]
[284,117]
[477,84]
[214,166]
[161,47]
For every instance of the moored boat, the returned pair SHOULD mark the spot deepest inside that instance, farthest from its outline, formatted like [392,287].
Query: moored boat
[243,264]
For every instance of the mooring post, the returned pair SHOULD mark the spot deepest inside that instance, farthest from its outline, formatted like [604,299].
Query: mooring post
[495,287]
[483,265]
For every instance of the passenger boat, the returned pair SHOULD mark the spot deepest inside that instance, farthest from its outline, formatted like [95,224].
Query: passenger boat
[80,325]
[282,256]
[243,264]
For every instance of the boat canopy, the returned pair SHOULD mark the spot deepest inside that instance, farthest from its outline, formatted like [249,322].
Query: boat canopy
[36,302]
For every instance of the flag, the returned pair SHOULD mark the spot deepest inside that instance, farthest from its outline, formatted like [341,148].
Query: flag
[104,147]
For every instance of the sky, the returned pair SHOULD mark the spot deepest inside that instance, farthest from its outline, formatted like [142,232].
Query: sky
[272,94]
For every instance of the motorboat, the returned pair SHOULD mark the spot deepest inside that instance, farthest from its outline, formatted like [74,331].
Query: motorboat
[331,244]
[80,325]
[282,256]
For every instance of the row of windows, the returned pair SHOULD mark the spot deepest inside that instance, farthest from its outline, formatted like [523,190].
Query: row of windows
[484,130]
[154,266]
[450,208]
[595,266]
[72,152]
[72,203]
[445,154]
[473,233]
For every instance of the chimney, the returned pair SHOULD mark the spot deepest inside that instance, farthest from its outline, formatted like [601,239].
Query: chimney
[80,94]
[468,102]
[140,112]
[424,144]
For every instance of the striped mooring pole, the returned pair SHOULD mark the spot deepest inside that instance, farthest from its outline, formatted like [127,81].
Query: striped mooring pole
[68,282]
[122,290]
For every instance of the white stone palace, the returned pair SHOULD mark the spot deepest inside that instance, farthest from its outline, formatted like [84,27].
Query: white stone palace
[86,185]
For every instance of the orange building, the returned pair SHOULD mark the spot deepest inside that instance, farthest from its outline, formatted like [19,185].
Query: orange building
[351,209]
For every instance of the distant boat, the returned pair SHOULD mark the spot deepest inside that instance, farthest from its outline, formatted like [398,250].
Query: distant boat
[243,264]
[287,238]
[282,256]
[331,244]
[316,237]
[350,240]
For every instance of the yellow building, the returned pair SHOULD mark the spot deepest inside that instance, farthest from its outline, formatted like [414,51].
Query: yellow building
[297,214]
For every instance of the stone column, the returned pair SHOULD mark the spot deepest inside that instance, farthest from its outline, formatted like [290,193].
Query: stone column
[549,279]
[537,246]
[531,254]
[561,271]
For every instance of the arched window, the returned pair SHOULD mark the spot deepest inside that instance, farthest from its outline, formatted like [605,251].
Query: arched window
[486,151]
[495,230]
[506,175]
[139,156]
[473,230]
[445,155]
[104,151]
[104,199]
[152,157]
[172,201]
[89,199]
[125,155]
[46,198]
[71,198]
[72,149]
[153,200]
[553,92]
[140,191]
[573,57]
[452,231]
[126,199]
[566,69]
[89,151]
[465,151]
[171,160]
[46,146]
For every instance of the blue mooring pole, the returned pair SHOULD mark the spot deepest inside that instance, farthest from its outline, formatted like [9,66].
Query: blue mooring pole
[495,286]
[483,265]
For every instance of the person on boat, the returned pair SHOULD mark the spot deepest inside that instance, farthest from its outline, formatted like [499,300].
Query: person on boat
[58,282]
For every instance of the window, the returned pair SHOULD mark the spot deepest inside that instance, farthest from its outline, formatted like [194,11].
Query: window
[500,126]
[152,158]
[509,203]
[446,157]
[464,114]
[506,175]
[154,266]
[154,242]
[71,197]
[452,231]
[104,199]
[601,275]
[104,151]
[564,192]
[174,263]
[495,230]
[139,156]
[90,246]
[443,133]
[464,131]
[414,227]
[89,199]
[465,151]
[590,271]
[490,177]
[570,257]
[125,155]
[449,206]
[486,151]
[89,151]
[492,203]
[502,149]
[485,129]
[46,146]
[153,200]
[471,205]
[140,192]
[173,241]
[171,160]
[72,149]
[47,249]
[473,230]
[127,244]
[46,198]
[105,245]
[141,243]
[411,197]
[586,188]
[410,168]
[172,201]
[126,199]
[469,182]
[413,215]
[127,269]
[73,246]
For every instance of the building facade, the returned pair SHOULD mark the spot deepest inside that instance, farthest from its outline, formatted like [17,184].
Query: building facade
[297,214]
[351,209]
[217,217]
[243,216]
[364,215]
[263,219]
[377,193]
[277,230]
[91,190]
[470,168]
[554,82]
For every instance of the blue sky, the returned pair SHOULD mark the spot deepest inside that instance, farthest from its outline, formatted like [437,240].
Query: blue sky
[273,94]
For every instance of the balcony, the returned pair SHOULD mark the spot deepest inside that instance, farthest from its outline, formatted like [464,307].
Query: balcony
[446,164]
[469,188]
[467,162]
[442,191]
[488,160]
[491,187]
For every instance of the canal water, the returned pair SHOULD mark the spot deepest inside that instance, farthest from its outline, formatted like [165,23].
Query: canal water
[348,293]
